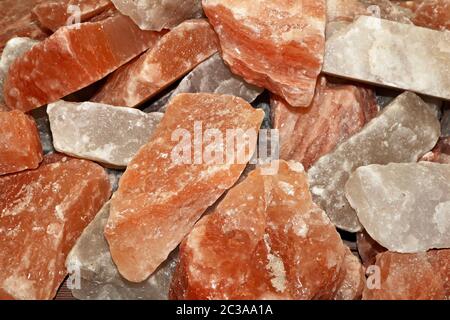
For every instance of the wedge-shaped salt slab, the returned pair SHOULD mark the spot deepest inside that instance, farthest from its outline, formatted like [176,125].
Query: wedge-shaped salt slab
[177,53]
[267,240]
[73,58]
[42,213]
[175,177]
[391,54]
[99,279]
[403,132]
[99,132]
[403,206]
[160,14]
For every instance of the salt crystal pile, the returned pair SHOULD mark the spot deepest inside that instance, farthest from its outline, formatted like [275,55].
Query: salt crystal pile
[403,132]
[267,240]
[167,186]
[102,133]
[398,206]
[177,53]
[42,213]
[291,35]
[160,14]
[99,278]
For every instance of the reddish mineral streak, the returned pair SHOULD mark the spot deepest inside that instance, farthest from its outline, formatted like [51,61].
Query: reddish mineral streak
[165,190]
[336,113]
[177,53]
[368,248]
[434,14]
[267,240]
[20,146]
[42,213]
[55,14]
[73,58]
[278,45]
[417,276]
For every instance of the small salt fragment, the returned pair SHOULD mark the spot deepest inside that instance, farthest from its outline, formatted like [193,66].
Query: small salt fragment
[336,113]
[177,53]
[114,178]
[42,213]
[43,124]
[445,123]
[403,132]
[398,206]
[278,45]
[353,278]
[184,169]
[106,134]
[99,278]
[160,14]
[391,54]
[73,58]
[440,153]
[368,248]
[416,276]
[20,148]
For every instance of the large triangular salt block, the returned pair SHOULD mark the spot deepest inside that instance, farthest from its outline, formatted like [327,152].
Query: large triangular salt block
[55,14]
[267,240]
[177,53]
[278,45]
[42,213]
[175,177]
[73,58]
[410,276]
[336,113]
[20,146]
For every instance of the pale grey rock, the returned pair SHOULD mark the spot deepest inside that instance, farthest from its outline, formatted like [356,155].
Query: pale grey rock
[98,277]
[159,104]
[107,134]
[391,54]
[405,207]
[114,178]
[403,132]
[43,124]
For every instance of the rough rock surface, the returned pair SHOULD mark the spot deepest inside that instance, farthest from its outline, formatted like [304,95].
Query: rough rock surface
[287,248]
[91,260]
[391,54]
[160,14]
[42,213]
[403,206]
[290,36]
[20,148]
[368,248]
[403,132]
[99,132]
[440,153]
[177,53]
[418,276]
[336,113]
[63,63]
[174,178]
[434,14]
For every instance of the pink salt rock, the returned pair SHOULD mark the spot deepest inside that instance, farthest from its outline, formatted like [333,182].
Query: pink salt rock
[278,45]
[368,248]
[336,113]
[20,146]
[177,53]
[71,59]
[267,240]
[440,153]
[174,178]
[55,14]
[42,213]
[434,14]
[412,276]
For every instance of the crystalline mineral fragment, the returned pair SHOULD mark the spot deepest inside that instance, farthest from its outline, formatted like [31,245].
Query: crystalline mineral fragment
[391,54]
[265,240]
[278,45]
[414,276]
[434,14]
[445,123]
[398,206]
[42,213]
[71,59]
[160,14]
[43,124]
[403,132]
[336,113]
[175,177]
[368,248]
[99,132]
[91,260]
[177,53]
[440,153]
[20,148]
